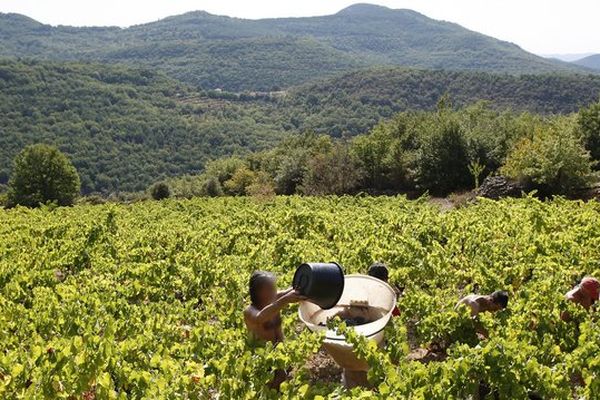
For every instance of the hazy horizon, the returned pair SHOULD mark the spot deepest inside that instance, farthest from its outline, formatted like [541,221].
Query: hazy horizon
[569,57]
[515,21]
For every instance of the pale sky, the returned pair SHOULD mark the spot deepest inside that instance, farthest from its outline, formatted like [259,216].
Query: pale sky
[539,26]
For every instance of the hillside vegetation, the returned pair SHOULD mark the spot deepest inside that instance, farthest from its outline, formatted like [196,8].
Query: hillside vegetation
[235,54]
[354,102]
[439,152]
[125,128]
[145,300]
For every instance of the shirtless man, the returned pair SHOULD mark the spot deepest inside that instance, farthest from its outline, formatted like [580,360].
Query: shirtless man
[494,302]
[262,316]
[586,293]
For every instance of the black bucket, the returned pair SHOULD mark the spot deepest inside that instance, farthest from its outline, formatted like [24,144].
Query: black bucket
[322,283]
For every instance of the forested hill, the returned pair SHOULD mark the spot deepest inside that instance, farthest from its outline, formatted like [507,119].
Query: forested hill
[236,54]
[125,128]
[352,103]
[590,62]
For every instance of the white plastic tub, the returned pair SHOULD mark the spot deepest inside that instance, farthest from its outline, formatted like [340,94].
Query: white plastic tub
[363,296]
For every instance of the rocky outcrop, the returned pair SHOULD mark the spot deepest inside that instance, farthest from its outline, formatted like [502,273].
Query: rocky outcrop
[496,187]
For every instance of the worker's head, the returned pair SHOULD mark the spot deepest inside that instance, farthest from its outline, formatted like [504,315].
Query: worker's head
[262,288]
[499,300]
[590,287]
[379,271]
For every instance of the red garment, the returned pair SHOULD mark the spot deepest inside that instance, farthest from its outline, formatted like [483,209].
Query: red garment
[396,312]
[591,286]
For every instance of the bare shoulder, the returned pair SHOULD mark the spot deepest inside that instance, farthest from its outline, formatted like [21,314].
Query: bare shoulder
[250,311]
[250,316]
[572,295]
[467,299]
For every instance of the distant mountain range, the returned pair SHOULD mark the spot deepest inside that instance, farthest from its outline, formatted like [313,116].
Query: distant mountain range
[568,57]
[235,54]
[592,62]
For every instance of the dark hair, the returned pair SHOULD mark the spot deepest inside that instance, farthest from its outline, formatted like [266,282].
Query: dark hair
[500,297]
[257,281]
[379,271]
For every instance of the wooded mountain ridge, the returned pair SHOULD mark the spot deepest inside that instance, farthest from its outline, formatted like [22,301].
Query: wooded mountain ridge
[210,51]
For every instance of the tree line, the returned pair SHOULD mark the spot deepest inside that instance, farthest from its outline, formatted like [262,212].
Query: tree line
[439,152]
[125,128]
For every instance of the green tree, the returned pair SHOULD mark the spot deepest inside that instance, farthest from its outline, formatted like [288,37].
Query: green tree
[442,163]
[212,187]
[291,171]
[224,168]
[42,174]
[373,153]
[160,191]
[241,179]
[334,172]
[554,160]
[589,126]
[262,185]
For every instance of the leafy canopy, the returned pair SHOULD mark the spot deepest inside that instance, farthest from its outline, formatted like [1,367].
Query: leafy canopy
[43,174]
[553,160]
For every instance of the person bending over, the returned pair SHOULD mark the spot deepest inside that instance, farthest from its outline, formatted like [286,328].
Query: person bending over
[491,303]
[586,293]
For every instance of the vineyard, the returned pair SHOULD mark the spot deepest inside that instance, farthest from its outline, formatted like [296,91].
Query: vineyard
[145,300]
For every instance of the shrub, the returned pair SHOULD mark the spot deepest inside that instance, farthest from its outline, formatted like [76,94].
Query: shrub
[240,180]
[223,168]
[335,172]
[92,199]
[160,191]
[442,164]
[291,172]
[262,186]
[588,123]
[43,174]
[212,187]
[554,160]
